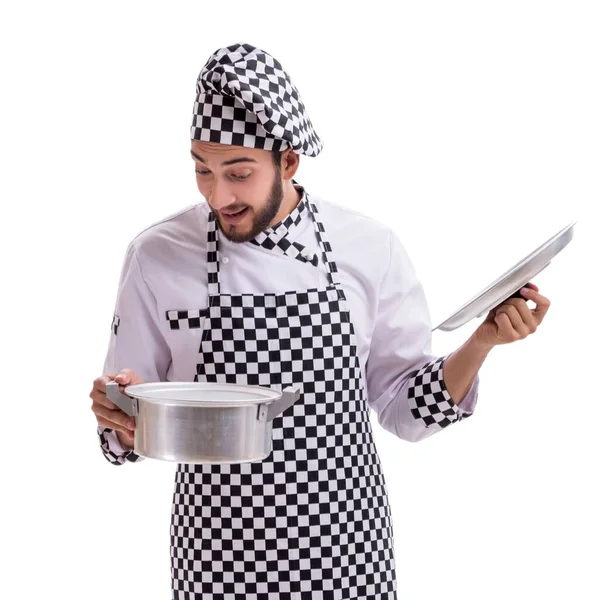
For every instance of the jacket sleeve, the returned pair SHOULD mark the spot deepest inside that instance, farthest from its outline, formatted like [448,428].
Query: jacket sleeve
[405,381]
[136,342]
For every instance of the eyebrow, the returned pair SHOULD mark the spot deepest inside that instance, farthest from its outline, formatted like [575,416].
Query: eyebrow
[232,161]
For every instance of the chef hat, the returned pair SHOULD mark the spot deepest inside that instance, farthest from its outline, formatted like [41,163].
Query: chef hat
[245,98]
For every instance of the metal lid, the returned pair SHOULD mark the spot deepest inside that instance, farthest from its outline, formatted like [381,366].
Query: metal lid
[510,282]
[202,394]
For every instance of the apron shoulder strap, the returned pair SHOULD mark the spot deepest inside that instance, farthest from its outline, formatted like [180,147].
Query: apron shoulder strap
[324,244]
[213,264]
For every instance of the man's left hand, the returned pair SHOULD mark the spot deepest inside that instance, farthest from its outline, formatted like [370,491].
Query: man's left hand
[513,320]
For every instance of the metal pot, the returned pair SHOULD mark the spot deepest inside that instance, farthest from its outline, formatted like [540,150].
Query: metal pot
[202,422]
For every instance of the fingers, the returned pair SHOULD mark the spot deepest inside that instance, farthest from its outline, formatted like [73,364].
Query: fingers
[100,383]
[99,397]
[101,403]
[515,319]
[124,378]
[505,325]
[108,415]
[520,315]
[513,325]
[520,318]
[129,438]
[542,303]
[113,419]
[106,424]
[127,377]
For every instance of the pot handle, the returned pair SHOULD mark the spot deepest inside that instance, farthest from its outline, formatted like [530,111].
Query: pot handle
[124,402]
[268,412]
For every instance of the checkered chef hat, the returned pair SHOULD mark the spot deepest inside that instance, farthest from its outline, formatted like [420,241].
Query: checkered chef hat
[245,98]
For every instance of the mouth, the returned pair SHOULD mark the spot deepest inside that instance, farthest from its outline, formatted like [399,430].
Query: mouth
[234,216]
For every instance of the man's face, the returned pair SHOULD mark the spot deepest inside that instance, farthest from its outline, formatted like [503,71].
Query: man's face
[242,186]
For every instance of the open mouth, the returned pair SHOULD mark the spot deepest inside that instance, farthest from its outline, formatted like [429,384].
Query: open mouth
[234,216]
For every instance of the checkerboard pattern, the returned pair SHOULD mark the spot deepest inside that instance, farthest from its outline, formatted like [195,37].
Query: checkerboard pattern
[213,269]
[112,457]
[277,239]
[245,98]
[262,339]
[324,244]
[312,520]
[429,398]
[185,319]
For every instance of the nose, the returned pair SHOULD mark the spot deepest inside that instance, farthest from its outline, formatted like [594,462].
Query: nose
[220,195]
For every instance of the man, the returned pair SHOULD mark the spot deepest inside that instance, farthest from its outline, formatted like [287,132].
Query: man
[331,304]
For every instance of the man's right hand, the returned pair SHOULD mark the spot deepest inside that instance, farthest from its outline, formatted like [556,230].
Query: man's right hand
[107,413]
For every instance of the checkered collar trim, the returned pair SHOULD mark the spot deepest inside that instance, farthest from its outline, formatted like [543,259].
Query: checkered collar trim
[276,238]
[292,220]
[293,249]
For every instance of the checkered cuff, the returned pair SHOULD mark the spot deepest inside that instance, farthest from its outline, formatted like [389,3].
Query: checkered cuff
[111,456]
[429,399]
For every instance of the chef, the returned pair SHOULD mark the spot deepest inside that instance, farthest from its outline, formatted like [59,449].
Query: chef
[265,284]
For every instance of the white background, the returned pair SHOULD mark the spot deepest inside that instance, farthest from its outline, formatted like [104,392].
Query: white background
[470,127]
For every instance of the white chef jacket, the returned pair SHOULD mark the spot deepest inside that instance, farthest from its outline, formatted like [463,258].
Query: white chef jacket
[165,269]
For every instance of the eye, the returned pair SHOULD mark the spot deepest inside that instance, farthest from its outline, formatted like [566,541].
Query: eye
[201,172]
[241,177]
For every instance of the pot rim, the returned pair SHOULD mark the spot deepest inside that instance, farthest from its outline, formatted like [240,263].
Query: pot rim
[169,393]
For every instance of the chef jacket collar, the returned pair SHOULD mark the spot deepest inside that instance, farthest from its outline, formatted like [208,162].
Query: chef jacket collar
[276,237]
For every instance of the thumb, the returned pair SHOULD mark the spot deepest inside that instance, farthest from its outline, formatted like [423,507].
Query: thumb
[127,376]
[123,377]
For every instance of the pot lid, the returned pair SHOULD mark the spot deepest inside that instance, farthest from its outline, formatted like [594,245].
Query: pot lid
[510,282]
[202,394]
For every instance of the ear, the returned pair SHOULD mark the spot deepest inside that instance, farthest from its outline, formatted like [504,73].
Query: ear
[289,163]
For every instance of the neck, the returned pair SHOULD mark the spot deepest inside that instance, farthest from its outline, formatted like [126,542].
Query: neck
[289,203]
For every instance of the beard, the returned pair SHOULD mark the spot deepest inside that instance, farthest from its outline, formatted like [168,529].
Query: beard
[261,218]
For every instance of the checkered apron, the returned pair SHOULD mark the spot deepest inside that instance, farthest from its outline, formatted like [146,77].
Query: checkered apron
[312,520]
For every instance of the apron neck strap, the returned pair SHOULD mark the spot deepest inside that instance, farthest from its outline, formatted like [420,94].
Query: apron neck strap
[213,263]
[324,244]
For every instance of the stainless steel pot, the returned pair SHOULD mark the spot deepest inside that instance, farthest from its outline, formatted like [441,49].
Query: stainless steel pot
[202,422]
